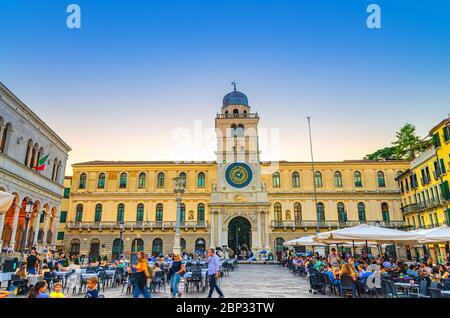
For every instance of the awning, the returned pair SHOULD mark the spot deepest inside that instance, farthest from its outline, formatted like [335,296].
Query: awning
[435,235]
[6,199]
[303,241]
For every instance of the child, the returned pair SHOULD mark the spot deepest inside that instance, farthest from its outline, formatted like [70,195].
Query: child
[58,291]
[39,290]
[92,291]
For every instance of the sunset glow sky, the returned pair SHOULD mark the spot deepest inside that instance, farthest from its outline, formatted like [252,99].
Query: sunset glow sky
[137,72]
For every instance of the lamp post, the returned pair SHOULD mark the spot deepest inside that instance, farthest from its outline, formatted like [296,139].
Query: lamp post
[28,210]
[314,174]
[179,184]
[122,229]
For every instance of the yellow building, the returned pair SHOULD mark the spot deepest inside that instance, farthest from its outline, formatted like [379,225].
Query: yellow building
[235,202]
[425,187]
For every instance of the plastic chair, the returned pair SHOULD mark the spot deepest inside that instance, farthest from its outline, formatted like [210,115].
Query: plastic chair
[435,293]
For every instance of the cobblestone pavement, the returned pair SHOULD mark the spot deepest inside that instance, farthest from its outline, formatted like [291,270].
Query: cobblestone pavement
[249,281]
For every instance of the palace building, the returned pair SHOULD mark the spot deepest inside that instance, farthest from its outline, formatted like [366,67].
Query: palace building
[235,202]
[32,166]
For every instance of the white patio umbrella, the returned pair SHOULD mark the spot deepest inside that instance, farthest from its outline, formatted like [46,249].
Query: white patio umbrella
[304,241]
[435,235]
[368,233]
[6,199]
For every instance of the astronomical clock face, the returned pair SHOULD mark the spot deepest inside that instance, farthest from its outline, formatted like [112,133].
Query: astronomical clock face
[238,175]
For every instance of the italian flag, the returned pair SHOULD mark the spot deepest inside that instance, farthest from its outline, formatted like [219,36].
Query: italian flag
[41,163]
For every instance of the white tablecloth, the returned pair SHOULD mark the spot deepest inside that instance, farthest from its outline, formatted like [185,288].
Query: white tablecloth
[33,279]
[6,276]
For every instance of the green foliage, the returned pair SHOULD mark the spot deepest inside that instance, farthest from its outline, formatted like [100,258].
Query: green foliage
[407,146]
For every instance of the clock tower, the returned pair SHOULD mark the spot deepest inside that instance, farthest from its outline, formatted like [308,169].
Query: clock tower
[239,199]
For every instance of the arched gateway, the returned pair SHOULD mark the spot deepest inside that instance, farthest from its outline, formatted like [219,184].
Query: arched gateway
[239,234]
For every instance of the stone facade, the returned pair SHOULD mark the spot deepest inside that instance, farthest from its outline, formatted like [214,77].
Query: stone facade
[24,140]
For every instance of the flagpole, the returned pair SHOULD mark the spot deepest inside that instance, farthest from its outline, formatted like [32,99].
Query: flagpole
[314,174]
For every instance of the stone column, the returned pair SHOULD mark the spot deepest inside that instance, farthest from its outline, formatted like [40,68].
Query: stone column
[36,228]
[46,225]
[55,227]
[2,222]
[266,230]
[219,228]
[211,229]
[12,242]
[259,242]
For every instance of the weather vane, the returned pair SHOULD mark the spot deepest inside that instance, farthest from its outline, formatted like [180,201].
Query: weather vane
[234,85]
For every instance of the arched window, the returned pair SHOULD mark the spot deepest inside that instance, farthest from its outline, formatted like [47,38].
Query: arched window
[201,180]
[342,215]
[298,212]
[160,180]
[320,212]
[361,212]
[338,179]
[157,247]
[240,131]
[182,213]
[380,178]
[82,184]
[101,181]
[318,179]
[385,212]
[79,213]
[55,169]
[140,213]
[75,247]
[183,244]
[98,213]
[94,250]
[295,179]
[123,180]
[233,130]
[276,179]
[357,178]
[28,153]
[137,245]
[235,112]
[277,212]
[5,136]
[200,246]
[200,213]
[159,212]
[142,180]
[183,177]
[117,248]
[120,212]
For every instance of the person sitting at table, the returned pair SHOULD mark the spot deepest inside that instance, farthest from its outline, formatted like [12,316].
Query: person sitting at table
[347,273]
[39,290]
[156,268]
[411,271]
[45,270]
[443,271]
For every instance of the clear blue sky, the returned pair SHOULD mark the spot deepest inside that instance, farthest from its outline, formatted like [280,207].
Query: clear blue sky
[137,70]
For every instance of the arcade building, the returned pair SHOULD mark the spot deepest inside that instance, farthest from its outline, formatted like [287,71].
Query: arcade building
[237,202]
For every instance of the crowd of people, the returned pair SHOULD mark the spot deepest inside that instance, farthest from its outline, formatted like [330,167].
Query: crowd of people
[339,267]
[47,262]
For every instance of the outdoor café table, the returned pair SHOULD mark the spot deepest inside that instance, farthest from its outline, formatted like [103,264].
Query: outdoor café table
[80,271]
[408,286]
[61,275]
[33,279]
[446,293]
[6,277]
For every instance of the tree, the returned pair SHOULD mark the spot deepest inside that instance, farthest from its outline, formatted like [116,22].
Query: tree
[407,146]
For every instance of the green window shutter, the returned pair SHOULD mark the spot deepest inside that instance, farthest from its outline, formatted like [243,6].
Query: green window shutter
[63,217]
[60,236]
[443,169]
[436,140]
[66,193]
[446,133]
[445,190]
[42,217]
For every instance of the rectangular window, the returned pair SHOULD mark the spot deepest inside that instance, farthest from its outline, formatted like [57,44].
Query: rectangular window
[445,190]
[42,217]
[66,193]
[443,169]
[436,140]
[446,131]
[63,217]
[60,236]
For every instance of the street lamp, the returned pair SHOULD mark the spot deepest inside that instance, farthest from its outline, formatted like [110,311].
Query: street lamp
[122,229]
[179,184]
[28,210]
